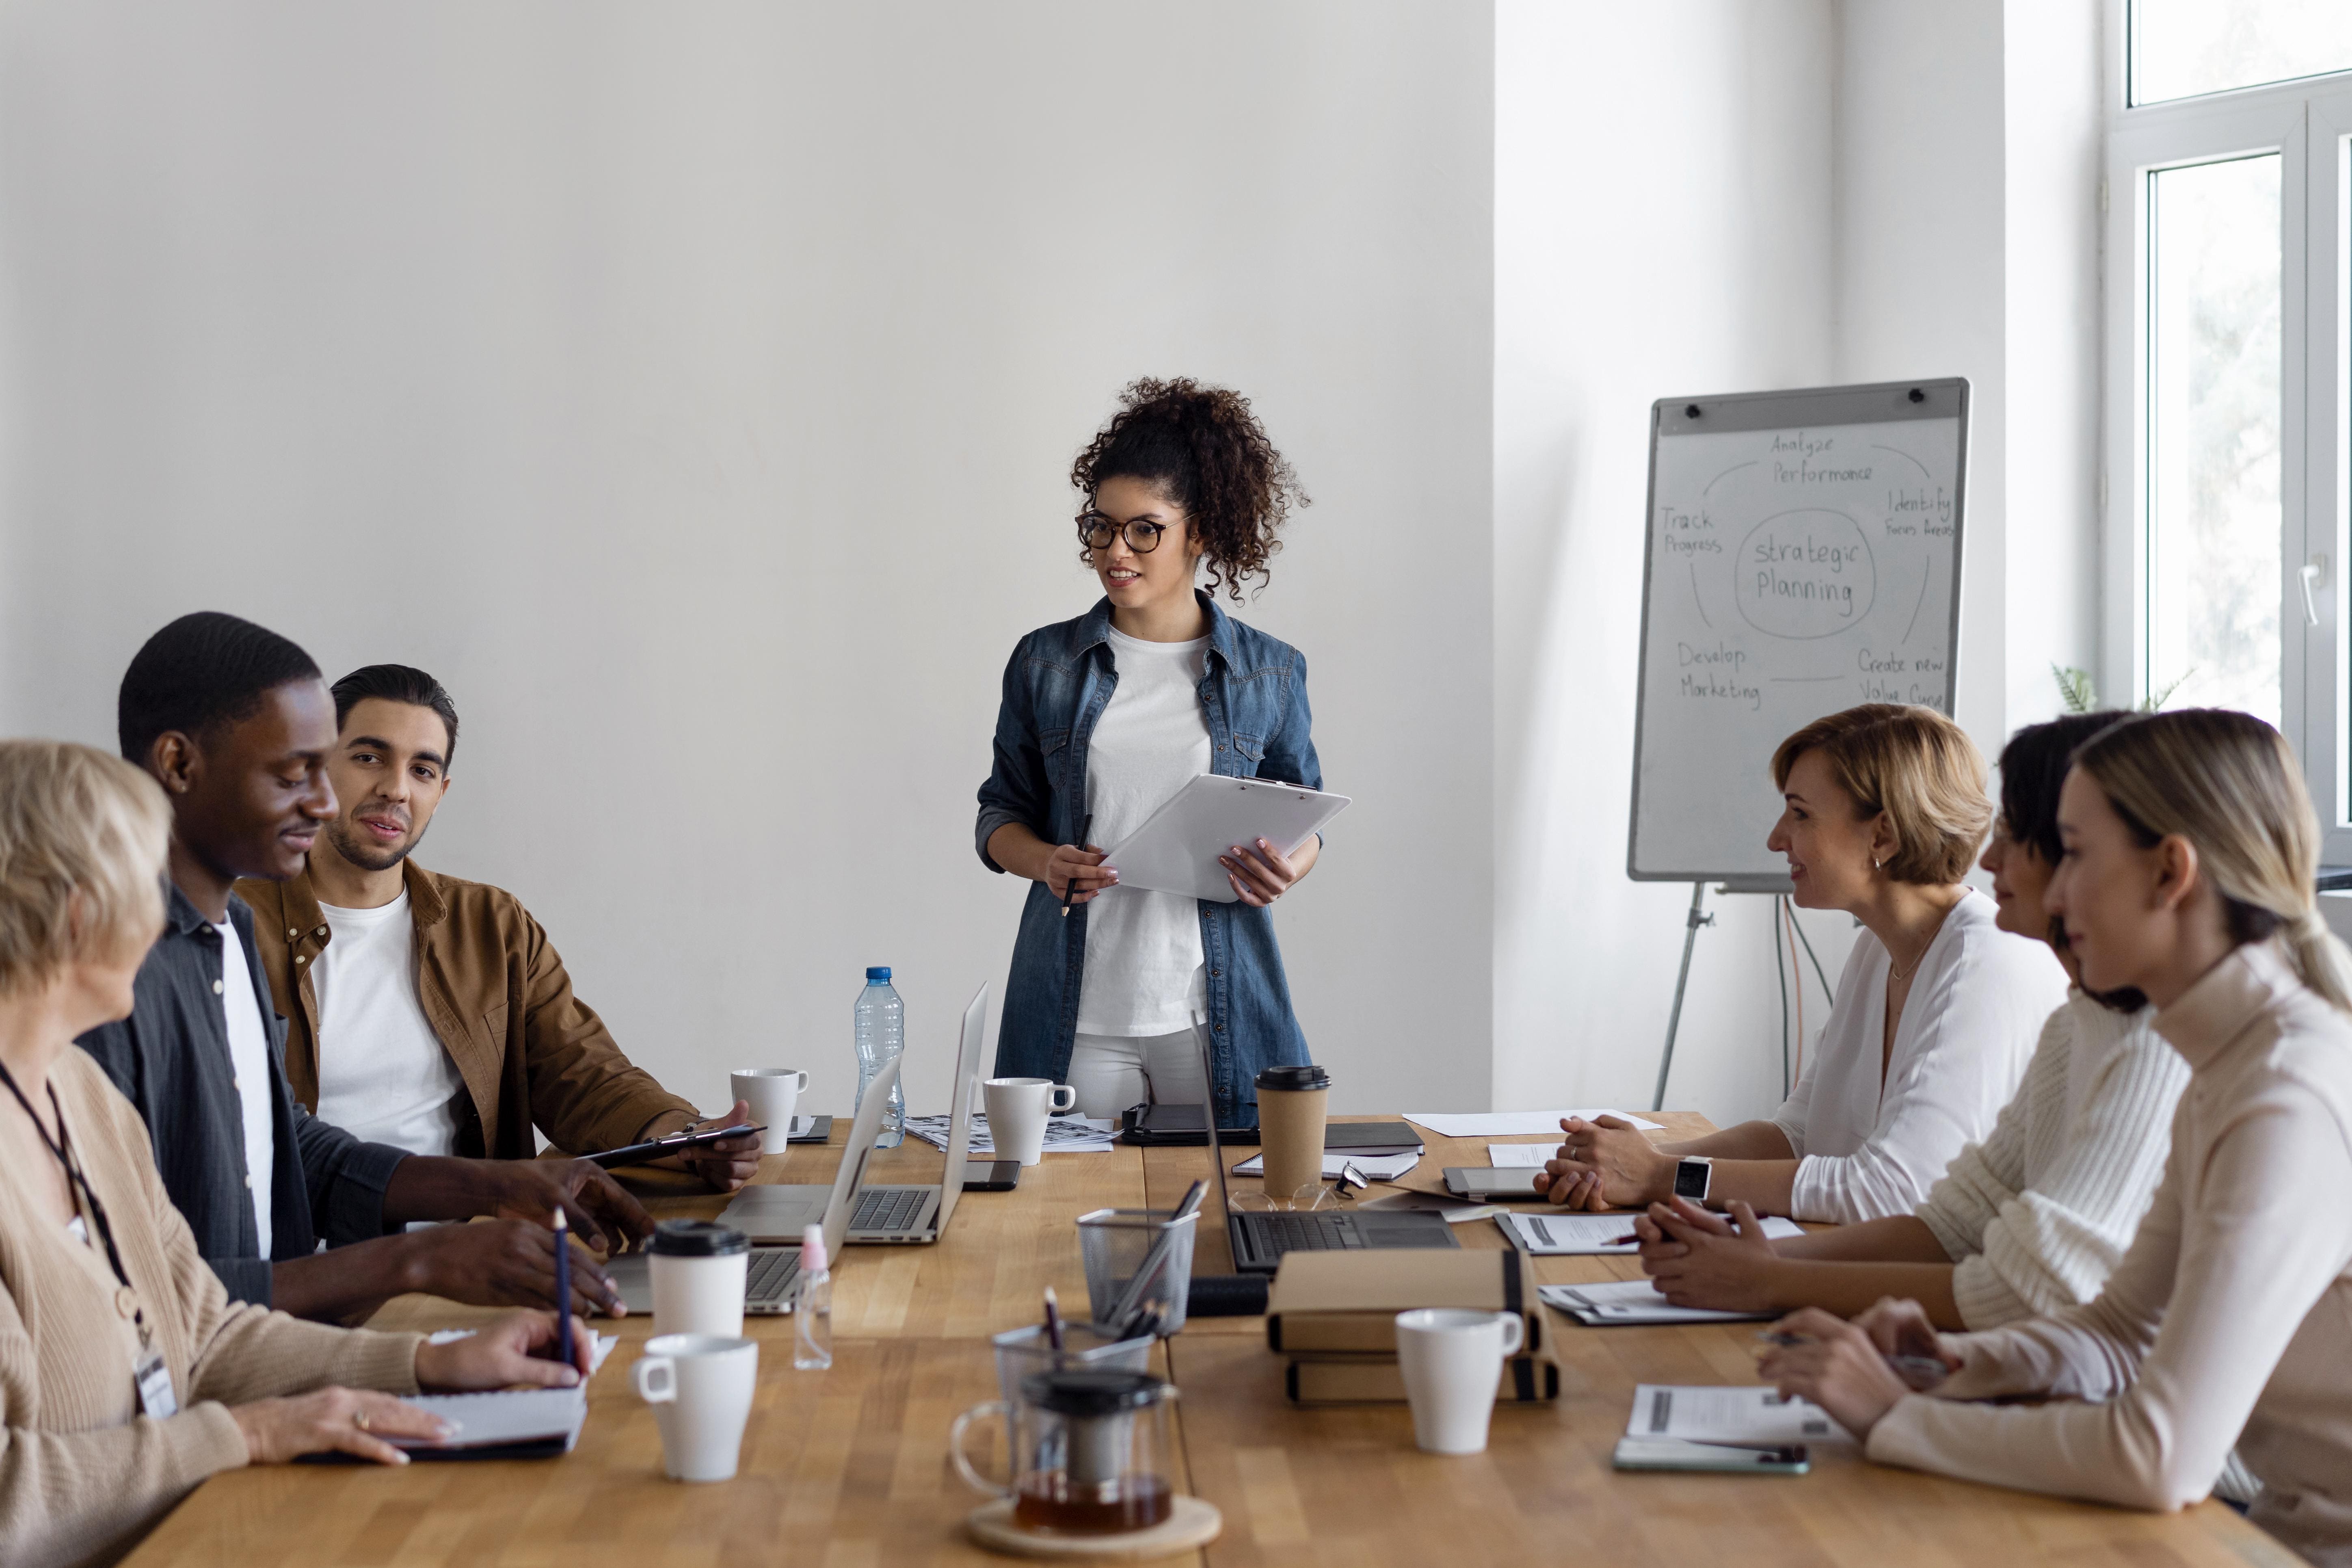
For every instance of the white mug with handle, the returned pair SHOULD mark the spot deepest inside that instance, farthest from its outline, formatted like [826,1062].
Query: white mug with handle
[701,1387]
[773,1094]
[1017,1110]
[1452,1361]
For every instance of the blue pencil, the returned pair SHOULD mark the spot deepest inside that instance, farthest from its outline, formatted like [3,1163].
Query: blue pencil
[562,1287]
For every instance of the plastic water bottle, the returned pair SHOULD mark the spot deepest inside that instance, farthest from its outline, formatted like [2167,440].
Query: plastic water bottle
[881,1034]
[813,1306]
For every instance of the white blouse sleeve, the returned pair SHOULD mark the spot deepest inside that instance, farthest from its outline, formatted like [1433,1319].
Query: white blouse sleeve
[1981,1015]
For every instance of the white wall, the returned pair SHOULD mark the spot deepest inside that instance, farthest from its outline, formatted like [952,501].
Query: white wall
[693,389]
[1663,198]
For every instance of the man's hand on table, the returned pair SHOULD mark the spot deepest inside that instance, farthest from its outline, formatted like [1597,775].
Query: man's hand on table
[505,1263]
[729,1163]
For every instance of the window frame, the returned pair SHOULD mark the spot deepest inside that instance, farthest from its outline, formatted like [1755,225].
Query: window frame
[2306,122]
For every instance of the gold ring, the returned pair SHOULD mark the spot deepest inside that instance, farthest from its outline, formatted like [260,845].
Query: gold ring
[359,1419]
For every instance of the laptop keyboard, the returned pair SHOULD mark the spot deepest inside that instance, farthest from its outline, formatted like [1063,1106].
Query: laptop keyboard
[885,1209]
[1307,1233]
[773,1268]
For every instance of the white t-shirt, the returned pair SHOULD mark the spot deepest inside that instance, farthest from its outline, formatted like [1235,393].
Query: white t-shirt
[383,1075]
[249,1056]
[1869,1147]
[1144,972]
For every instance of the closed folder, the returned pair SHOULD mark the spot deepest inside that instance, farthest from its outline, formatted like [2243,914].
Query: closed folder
[1348,1301]
[1378,1380]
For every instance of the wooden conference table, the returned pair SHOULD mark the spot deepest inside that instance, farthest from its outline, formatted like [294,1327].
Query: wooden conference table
[847,1468]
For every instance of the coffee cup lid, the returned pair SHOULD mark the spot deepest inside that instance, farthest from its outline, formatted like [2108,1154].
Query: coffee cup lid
[697,1239]
[1307,1076]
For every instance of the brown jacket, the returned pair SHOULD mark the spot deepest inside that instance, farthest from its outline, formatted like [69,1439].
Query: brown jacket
[495,992]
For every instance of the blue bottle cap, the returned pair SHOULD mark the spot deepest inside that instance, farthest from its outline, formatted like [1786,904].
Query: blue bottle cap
[878,971]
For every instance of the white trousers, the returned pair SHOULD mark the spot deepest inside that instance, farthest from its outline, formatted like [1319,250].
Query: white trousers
[1111,1073]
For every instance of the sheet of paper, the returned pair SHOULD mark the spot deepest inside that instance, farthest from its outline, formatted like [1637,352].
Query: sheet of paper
[1064,1134]
[1530,1155]
[514,1416]
[1750,1414]
[1506,1123]
[1454,1211]
[1577,1235]
[603,1348]
[1630,1301]
[1379,1167]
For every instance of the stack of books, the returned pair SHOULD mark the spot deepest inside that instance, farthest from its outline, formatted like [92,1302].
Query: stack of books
[1333,1315]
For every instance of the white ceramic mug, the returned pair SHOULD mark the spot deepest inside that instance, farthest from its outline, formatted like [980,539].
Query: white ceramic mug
[1451,1360]
[774,1095]
[700,1387]
[1017,1110]
[699,1271]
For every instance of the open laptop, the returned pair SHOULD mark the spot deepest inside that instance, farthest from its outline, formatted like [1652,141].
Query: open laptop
[774,1217]
[1260,1238]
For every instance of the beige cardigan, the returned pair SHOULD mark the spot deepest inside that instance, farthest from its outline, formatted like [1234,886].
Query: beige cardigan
[2229,1320]
[82,1474]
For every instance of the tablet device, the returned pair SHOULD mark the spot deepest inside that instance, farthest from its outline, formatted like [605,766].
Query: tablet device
[658,1148]
[1511,1182]
[1176,849]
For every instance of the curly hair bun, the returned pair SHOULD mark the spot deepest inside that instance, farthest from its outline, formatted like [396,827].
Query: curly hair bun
[1206,452]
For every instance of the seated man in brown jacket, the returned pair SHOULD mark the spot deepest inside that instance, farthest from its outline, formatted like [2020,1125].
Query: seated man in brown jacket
[429,1012]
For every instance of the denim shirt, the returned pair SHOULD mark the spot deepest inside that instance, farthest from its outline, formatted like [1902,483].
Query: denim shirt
[1056,685]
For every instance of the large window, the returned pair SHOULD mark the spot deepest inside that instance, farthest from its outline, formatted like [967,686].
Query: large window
[2227,446]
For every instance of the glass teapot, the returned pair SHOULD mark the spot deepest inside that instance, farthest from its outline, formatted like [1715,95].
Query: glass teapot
[1092,1453]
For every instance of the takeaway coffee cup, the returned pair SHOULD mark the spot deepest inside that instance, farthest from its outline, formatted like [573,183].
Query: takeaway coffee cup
[698,1269]
[1452,1360]
[1017,1110]
[1290,1128]
[774,1095]
[700,1387]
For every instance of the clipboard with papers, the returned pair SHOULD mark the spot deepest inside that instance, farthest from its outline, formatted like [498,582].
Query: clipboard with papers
[1176,849]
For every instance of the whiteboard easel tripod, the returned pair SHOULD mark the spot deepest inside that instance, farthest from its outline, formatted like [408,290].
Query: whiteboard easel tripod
[1802,557]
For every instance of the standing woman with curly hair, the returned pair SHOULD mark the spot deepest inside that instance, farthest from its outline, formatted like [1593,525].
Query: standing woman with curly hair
[1106,717]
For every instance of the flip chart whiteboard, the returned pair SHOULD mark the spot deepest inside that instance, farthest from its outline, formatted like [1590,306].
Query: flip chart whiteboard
[1803,556]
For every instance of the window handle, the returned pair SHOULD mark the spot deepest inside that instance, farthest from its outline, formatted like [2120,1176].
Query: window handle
[2314,575]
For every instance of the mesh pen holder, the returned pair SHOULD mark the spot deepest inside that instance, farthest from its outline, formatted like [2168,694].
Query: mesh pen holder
[1120,1245]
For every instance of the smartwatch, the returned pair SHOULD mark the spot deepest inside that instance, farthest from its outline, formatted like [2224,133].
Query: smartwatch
[1694,1175]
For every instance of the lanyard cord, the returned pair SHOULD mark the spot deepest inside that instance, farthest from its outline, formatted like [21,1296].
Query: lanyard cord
[63,1150]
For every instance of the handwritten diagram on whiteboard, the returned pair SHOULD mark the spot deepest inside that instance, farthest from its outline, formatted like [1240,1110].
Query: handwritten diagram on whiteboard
[1803,556]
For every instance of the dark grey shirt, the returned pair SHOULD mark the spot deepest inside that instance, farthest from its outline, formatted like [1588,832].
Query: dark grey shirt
[170,1059]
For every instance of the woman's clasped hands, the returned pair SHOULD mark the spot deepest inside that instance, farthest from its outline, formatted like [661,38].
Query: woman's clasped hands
[1605,1163]
[1857,1371]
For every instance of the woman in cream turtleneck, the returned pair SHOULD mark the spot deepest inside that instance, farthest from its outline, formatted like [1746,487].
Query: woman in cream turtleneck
[126,1375]
[2190,853]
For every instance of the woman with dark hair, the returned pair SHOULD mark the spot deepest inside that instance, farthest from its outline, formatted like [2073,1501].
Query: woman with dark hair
[2037,1216]
[1105,718]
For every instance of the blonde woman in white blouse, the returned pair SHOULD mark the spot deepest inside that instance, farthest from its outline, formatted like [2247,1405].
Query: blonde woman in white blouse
[2190,848]
[2037,1216]
[1935,1015]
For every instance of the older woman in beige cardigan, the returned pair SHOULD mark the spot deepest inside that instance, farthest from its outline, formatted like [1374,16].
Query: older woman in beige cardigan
[126,1375]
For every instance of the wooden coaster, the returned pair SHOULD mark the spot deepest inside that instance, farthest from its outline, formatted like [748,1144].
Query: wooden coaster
[1193,1523]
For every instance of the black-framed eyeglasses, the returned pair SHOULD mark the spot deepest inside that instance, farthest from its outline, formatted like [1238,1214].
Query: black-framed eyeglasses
[1098,530]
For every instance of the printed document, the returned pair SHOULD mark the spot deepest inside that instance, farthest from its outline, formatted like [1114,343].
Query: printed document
[1579,1235]
[1751,1414]
[1509,1123]
[1629,1301]
[1064,1134]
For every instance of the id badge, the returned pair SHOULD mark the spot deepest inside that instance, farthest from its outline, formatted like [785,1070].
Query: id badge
[154,1379]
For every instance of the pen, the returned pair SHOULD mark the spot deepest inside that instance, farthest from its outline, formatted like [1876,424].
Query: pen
[1070,887]
[1053,1320]
[562,1287]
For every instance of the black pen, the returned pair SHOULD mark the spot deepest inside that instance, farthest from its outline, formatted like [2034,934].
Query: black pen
[1071,885]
